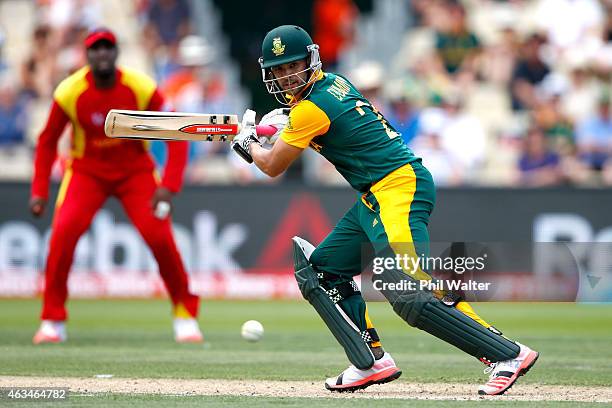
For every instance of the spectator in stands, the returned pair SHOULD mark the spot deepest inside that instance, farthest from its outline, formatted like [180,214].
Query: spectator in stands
[419,11]
[602,61]
[3,65]
[529,72]
[463,136]
[15,154]
[38,72]
[367,77]
[580,100]
[499,59]
[432,14]
[571,24]
[443,165]
[538,164]
[63,15]
[457,47]
[71,55]
[549,116]
[13,114]
[427,78]
[167,22]
[607,31]
[334,28]
[403,115]
[594,136]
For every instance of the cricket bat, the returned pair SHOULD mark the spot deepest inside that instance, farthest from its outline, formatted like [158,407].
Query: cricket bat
[134,124]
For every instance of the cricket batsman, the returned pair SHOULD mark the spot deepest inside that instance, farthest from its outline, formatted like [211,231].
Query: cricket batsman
[100,167]
[397,197]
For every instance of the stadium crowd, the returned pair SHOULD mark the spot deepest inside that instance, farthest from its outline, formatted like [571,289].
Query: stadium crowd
[503,93]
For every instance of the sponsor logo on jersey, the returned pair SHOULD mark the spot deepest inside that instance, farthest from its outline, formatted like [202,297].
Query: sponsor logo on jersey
[278,48]
[97,118]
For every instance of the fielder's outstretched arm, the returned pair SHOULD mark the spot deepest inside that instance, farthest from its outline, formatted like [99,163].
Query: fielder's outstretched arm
[274,161]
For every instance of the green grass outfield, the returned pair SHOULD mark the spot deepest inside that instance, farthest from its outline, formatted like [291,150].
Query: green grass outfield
[133,338]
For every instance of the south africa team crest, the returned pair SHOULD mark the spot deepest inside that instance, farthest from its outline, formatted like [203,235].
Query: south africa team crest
[278,48]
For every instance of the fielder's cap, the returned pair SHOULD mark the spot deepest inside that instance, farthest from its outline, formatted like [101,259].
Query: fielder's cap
[100,34]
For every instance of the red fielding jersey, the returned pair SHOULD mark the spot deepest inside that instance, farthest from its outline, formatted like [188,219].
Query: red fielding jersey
[78,101]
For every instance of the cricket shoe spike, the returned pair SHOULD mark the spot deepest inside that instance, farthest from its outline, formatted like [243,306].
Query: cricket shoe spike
[353,379]
[503,374]
[187,331]
[50,332]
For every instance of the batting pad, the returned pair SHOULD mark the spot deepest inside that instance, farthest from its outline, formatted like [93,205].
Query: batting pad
[343,329]
[423,310]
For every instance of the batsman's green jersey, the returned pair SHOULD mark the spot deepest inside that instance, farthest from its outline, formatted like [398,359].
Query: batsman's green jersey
[398,192]
[340,124]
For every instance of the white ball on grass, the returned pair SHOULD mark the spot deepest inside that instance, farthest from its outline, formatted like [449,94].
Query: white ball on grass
[252,331]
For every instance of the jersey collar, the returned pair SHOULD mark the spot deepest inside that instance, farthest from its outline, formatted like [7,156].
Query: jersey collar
[293,100]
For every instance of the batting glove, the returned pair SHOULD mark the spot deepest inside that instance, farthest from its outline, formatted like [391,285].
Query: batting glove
[248,134]
[277,118]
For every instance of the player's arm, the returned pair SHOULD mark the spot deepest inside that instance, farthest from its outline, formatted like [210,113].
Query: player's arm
[305,121]
[275,161]
[44,157]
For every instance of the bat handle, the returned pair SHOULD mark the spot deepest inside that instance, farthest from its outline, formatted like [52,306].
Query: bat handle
[265,130]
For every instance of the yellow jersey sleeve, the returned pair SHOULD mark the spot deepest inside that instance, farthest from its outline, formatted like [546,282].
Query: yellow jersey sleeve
[142,85]
[69,90]
[306,121]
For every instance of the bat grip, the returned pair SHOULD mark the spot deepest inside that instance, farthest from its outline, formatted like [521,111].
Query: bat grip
[265,130]
[243,153]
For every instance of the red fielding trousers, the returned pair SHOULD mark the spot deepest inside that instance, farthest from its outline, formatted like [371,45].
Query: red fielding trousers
[80,197]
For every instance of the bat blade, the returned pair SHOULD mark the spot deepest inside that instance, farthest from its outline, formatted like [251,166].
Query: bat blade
[129,124]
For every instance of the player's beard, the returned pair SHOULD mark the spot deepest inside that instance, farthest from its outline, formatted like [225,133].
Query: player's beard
[295,91]
[297,86]
[105,74]
[302,91]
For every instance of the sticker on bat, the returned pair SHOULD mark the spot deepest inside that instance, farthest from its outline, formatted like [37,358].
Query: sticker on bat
[219,129]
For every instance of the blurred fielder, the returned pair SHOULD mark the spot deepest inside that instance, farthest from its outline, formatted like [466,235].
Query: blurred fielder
[397,197]
[100,167]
